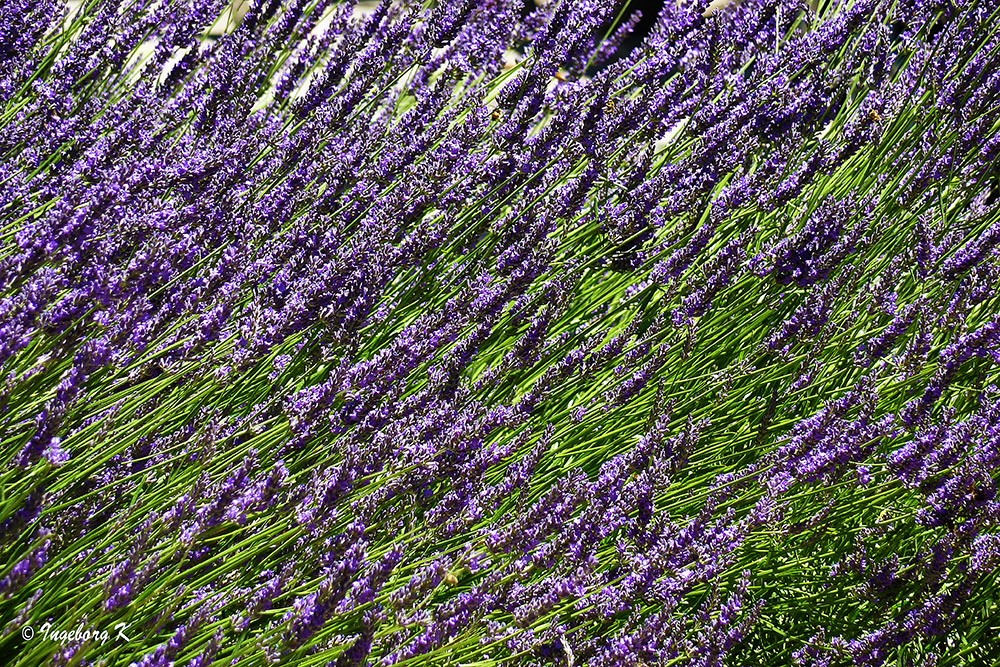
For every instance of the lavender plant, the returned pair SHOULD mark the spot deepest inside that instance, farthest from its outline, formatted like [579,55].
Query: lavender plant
[456,334]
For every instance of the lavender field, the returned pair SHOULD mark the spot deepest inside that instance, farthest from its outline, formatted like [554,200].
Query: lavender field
[473,334]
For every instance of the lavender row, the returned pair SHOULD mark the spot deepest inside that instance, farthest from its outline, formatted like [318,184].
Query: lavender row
[360,346]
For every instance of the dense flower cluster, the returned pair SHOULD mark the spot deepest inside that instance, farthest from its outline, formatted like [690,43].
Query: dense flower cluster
[452,333]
